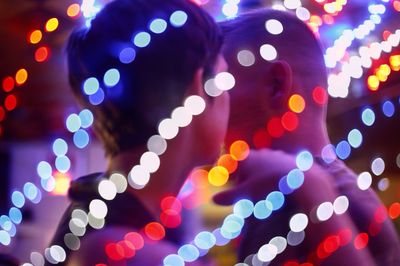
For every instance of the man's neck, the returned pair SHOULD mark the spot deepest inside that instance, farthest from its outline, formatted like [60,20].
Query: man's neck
[308,137]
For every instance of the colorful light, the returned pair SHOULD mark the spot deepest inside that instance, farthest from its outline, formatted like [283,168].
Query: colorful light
[42,54]
[10,102]
[51,25]
[21,76]
[297,103]
[35,36]
[73,10]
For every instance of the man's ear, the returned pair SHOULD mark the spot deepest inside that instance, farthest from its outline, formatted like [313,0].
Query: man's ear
[196,87]
[280,83]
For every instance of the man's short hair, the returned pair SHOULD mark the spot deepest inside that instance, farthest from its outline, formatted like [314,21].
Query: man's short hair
[297,44]
[155,82]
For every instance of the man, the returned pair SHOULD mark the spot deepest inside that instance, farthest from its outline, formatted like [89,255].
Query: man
[279,102]
[160,52]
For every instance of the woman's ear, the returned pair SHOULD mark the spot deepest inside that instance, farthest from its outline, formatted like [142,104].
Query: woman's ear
[280,83]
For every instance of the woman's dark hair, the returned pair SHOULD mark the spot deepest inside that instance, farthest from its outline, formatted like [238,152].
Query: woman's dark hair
[155,82]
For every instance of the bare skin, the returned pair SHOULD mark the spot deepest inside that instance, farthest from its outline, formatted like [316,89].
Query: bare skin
[197,144]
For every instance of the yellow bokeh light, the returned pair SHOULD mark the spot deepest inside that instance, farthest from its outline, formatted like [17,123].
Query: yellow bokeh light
[21,76]
[218,176]
[62,184]
[380,74]
[73,10]
[373,83]
[296,103]
[51,24]
[385,69]
[395,62]
[35,36]
[239,150]
[316,20]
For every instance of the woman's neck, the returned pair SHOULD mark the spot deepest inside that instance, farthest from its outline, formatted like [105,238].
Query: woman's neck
[175,165]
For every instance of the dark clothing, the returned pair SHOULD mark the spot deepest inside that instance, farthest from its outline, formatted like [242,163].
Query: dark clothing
[384,247]
[124,210]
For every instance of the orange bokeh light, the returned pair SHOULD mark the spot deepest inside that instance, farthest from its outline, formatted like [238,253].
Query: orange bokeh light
[394,210]
[239,150]
[199,178]
[228,162]
[62,183]
[73,10]
[35,36]
[396,5]
[296,103]
[21,76]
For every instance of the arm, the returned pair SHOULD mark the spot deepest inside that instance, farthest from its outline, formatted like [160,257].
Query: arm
[260,174]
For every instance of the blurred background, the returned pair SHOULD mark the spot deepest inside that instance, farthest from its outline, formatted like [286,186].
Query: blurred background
[42,148]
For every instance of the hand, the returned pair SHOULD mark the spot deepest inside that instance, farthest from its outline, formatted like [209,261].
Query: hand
[258,175]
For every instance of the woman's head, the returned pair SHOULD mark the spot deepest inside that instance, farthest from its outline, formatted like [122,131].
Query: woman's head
[154,78]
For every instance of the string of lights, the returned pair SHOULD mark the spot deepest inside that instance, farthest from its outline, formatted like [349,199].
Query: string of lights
[338,84]
[41,55]
[382,72]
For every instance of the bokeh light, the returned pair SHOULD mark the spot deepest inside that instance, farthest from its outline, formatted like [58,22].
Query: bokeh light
[8,84]
[158,26]
[21,76]
[297,103]
[154,231]
[10,102]
[268,52]
[218,176]
[51,25]
[246,58]
[178,18]
[111,77]
[228,162]
[368,117]
[35,36]
[42,54]
[274,26]
[73,10]
[62,183]
[239,150]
